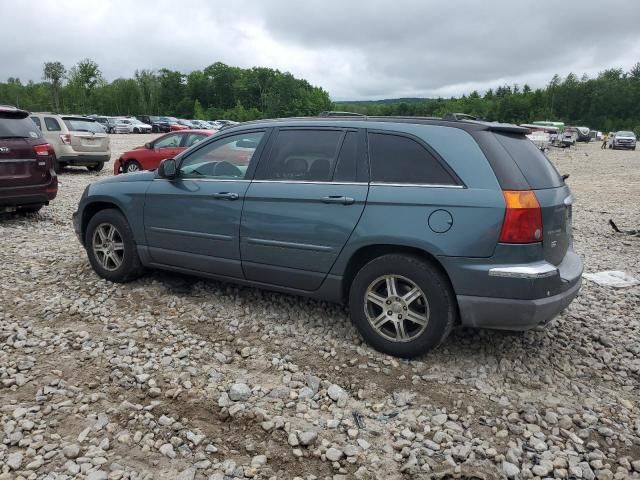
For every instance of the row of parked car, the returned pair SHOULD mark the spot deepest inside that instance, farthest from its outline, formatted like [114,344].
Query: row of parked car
[418,224]
[156,124]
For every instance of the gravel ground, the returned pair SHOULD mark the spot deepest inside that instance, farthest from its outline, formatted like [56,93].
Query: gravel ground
[180,378]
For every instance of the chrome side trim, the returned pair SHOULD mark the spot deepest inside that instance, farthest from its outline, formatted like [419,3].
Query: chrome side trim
[298,246]
[172,231]
[241,180]
[310,182]
[535,270]
[569,200]
[424,185]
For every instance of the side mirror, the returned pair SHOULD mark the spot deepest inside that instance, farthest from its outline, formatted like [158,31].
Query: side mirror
[168,168]
[148,146]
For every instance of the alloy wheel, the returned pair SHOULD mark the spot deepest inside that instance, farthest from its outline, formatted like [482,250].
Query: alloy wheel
[108,246]
[396,308]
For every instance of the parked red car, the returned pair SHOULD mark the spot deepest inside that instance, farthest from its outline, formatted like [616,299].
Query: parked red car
[27,178]
[149,156]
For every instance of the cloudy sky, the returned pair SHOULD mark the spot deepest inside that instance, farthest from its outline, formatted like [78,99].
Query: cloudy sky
[355,49]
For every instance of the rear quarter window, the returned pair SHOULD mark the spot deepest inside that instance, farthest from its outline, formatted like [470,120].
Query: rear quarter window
[536,168]
[52,124]
[399,159]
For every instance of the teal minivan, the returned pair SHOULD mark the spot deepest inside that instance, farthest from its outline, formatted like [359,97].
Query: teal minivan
[418,224]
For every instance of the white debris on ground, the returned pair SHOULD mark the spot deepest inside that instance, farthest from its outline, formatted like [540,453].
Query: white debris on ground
[612,278]
[180,378]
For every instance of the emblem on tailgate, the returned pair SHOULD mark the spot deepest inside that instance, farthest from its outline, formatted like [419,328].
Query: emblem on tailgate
[4,149]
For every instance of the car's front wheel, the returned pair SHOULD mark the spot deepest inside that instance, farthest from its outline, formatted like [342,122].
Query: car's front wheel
[402,305]
[111,247]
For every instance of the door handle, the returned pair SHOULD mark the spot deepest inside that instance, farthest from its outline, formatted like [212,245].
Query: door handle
[338,199]
[226,196]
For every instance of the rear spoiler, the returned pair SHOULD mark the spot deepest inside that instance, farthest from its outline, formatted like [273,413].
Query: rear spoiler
[500,127]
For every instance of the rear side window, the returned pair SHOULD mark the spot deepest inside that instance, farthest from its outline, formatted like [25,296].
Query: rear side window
[398,159]
[37,121]
[534,165]
[52,124]
[12,126]
[302,155]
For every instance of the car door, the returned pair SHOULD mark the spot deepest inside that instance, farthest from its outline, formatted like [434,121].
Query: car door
[168,146]
[305,200]
[192,222]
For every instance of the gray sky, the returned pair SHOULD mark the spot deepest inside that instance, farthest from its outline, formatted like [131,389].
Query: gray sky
[355,49]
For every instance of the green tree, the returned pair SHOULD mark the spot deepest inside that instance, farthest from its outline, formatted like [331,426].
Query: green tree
[54,72]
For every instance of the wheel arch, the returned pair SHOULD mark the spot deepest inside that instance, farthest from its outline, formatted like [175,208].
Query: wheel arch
[92,208]
[367,253]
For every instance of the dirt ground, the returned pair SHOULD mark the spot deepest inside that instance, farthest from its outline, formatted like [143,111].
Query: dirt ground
[177,377]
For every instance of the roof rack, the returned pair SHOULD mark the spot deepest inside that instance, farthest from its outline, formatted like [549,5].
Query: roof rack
[340,114]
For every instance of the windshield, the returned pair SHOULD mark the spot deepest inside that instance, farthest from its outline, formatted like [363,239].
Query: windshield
[625,134]
[82,125]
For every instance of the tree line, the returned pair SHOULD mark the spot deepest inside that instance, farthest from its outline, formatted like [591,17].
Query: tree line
[608,102]
[217,91]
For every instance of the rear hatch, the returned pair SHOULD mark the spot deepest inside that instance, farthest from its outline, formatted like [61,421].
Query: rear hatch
[553,195]
[20,166]
[86,135]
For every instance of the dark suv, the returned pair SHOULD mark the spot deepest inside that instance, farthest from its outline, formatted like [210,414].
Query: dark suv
[27,178]
[418,223]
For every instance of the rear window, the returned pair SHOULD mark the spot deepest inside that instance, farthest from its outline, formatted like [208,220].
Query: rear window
[82,125]
[12,127]
[534,165]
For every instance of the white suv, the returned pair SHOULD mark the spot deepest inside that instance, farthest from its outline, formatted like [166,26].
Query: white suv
[131,125]
[75,140]
[623,139]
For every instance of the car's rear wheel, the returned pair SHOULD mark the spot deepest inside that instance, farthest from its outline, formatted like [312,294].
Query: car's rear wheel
[402,305]
[132,166]
[96,167]
[111,247]
[57,164]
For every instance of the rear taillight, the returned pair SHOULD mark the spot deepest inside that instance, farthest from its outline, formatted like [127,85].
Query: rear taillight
[522,218]
[66,138]
[42,150]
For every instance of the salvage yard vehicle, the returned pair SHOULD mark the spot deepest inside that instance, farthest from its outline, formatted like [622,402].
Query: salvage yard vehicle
[419,224]
[584,134]
[131,125]
[79,141]
[149,156]
[622,139]
[27,178]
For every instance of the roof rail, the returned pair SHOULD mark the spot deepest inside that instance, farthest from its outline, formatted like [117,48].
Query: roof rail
[340,114]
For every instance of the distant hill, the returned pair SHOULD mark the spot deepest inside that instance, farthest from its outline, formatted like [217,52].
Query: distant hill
[383,101]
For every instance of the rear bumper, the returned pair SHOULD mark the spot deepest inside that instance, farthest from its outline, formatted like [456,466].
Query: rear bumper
[28,195]
[515,296]
[513,314]
[85,159]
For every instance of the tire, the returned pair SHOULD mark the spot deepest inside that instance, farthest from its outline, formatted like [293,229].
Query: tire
[57,165]
[135,130]
[112,263]
[30,208]
[132,166]
[96,167]
[433,303]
